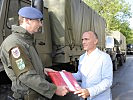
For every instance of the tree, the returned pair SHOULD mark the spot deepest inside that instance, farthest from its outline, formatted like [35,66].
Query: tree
[115,12]
[124,28]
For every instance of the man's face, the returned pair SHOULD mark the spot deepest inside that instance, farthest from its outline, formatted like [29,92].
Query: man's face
[89,41]
[34,25]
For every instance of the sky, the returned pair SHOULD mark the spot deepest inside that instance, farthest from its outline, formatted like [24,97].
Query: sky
[131,19]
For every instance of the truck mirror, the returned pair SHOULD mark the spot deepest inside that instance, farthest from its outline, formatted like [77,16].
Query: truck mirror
[120,42]
[37,4]
[12,21]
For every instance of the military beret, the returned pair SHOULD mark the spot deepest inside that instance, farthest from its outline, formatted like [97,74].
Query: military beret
[30,12]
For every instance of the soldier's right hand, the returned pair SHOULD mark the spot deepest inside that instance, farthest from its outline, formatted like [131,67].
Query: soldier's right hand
[61,90]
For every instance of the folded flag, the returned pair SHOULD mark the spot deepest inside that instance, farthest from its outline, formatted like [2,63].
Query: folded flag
[63,78]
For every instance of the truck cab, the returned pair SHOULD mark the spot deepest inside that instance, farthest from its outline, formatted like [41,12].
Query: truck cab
[111,48]
[116,48]
[129,48]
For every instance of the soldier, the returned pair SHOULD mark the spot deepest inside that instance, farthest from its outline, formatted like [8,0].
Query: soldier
[22,63]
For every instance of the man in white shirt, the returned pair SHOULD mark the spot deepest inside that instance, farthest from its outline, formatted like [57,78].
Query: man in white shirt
[94,70]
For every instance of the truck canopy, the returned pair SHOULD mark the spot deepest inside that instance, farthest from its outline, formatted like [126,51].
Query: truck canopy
[63,25]
[120,38]
[70,18]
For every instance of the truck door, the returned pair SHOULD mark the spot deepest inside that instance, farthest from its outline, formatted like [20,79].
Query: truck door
[3,10]
[9,16]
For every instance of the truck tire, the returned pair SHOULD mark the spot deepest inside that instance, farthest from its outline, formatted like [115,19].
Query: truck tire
[124,59]
[121,60]
[115,64]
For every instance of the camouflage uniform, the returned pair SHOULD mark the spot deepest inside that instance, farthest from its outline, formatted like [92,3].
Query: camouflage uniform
[24,67]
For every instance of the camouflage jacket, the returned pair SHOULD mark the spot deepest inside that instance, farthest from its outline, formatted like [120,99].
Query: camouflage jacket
[23,65]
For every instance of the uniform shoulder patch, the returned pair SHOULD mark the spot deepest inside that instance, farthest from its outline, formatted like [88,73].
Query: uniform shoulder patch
[20,61]
[20,64]
[15,52]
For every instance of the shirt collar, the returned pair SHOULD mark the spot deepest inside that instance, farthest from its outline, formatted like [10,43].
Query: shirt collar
[92,53]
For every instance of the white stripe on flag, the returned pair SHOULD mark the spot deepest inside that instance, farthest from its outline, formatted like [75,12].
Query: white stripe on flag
[70,86]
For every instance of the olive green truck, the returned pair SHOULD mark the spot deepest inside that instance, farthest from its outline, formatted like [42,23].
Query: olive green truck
[59,43]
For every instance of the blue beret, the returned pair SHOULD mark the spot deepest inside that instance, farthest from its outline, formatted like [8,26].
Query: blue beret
[30,12]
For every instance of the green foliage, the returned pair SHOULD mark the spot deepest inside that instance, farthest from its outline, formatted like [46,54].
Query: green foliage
[115,12]
[130,38]
[124,28]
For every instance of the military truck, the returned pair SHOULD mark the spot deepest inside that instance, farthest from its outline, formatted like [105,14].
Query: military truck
[116,48]
[129,48]
[59,42]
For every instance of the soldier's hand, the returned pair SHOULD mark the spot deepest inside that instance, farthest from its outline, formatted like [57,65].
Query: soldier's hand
[84,93]
[61,90]
[46,70]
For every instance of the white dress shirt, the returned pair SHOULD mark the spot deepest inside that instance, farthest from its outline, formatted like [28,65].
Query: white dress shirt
[96,73]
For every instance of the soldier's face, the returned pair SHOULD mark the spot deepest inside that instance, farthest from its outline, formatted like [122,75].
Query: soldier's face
[34,25]
[89,41]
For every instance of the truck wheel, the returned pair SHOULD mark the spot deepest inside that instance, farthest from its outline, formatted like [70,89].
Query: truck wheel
[124,59]
[115,64]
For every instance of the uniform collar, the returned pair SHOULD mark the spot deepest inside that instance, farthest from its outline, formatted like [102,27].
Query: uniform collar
[20,30]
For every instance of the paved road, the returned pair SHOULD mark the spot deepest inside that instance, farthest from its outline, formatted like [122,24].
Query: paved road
[122,88]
